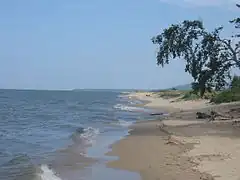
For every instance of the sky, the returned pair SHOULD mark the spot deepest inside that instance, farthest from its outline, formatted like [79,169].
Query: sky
[59,44]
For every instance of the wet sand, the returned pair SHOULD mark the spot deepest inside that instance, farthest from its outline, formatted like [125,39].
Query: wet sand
[182,147]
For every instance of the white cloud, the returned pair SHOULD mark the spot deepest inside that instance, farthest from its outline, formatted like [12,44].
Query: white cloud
[202,3]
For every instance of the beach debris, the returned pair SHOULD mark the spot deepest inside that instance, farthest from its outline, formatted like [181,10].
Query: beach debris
[236,122]
[221,116]
[157,114]
[173,140]
[205,176]
[201,115]
[213,116]
[235,112]
[161,126]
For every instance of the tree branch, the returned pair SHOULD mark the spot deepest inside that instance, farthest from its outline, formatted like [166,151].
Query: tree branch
[227,42]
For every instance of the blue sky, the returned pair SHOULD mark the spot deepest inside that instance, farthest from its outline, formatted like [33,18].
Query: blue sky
[59,44]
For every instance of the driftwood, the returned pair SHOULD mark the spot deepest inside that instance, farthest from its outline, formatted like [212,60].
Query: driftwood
[212,116]
[236,122]
[174,141]
[235,112]
[157,114]
[170,139]
[201,115]
[161,126]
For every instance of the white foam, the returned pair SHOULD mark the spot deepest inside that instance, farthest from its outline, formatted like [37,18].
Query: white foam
[127,108]
[123,96]
[48,174]
[125,123]
[89,135]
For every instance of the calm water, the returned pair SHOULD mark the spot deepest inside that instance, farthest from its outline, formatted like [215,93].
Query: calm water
[53,135]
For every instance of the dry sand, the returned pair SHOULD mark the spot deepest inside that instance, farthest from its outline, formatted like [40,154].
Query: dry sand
[168,104]
[180,148]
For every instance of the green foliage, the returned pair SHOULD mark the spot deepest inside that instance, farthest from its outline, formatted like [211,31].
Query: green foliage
[167,94]
[230,95]
[235,84]
[227,96]
[236,22]
[190,96]
[177,41]
[208,57]
[202,51]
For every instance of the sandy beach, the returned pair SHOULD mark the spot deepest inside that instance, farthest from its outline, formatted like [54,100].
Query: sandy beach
[181,147]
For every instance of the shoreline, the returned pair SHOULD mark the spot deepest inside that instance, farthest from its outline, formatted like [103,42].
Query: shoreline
[180,147]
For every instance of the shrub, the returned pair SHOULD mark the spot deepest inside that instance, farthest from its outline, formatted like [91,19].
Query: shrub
[235,84]
[170,94]
[227,96]
[190,96]
[230,95]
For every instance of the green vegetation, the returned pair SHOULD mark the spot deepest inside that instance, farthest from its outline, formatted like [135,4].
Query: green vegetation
[236,22]
[230,95]
[167,94]
[190,96]
[185,95]
[226,96]
[182,94]
[209,58]
[235,84]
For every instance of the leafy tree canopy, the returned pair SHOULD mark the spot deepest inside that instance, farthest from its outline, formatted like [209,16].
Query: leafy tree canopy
[236,22]
[208,57]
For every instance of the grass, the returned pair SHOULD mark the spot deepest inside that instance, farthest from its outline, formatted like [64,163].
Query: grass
[190,96]
[229,95]
[186,95]
[168,94]
[226,96]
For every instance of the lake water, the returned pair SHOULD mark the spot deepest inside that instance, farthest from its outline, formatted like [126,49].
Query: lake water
[62,135]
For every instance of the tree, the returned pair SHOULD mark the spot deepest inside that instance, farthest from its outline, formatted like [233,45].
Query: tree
[236,22]
[206,60]
[234,48]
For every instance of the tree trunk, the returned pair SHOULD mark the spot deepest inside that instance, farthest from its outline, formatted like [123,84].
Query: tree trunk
[202,91]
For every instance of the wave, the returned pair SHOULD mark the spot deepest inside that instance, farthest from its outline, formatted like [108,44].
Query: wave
[89,134]
[128,108]
[86,136]
[47,174]
[125,123]
[136,102]
[126,92]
